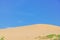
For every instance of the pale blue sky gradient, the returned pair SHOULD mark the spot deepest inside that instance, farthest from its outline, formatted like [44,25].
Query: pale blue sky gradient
[26,12]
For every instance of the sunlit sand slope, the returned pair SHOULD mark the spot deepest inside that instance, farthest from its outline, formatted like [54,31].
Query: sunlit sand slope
[29,32]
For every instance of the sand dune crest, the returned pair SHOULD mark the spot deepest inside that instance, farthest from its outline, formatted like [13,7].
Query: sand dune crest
[29,32]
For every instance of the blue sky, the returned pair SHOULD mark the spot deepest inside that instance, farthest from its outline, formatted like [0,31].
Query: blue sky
[27,12]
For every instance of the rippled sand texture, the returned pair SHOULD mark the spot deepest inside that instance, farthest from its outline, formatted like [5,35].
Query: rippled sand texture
[29,32]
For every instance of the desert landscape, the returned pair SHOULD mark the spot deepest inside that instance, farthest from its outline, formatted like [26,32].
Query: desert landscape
[30,32]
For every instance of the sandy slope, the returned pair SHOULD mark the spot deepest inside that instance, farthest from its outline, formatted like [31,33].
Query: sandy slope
[29,32]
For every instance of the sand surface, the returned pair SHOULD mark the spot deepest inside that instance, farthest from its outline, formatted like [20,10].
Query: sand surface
[29,32]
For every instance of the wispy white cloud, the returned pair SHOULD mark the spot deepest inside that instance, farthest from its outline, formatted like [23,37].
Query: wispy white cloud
[20,21]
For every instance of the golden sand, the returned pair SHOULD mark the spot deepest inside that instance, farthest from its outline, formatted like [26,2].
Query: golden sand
[29,32]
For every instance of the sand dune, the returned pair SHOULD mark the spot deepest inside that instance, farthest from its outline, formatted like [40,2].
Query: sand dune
[29,32]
